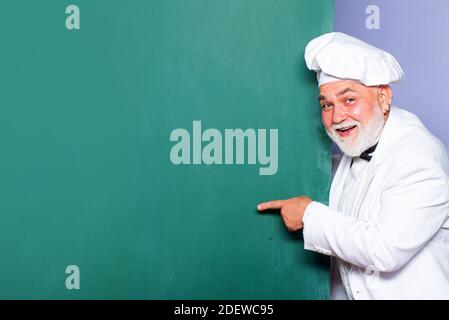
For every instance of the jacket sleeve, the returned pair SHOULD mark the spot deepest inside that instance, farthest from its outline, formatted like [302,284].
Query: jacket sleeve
[414,205]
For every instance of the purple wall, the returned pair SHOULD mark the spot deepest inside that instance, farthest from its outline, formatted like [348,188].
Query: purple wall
[416,32]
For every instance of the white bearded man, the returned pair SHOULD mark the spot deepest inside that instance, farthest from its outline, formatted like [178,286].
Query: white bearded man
[386,227]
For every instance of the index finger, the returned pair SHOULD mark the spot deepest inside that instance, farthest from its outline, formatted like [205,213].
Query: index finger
[275,204]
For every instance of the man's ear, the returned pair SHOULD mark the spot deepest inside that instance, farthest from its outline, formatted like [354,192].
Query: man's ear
[384,96]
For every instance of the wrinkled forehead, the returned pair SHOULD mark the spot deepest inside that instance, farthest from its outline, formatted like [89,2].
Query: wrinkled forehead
[340,87]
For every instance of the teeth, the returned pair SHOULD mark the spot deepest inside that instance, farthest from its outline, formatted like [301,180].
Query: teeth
[345,128]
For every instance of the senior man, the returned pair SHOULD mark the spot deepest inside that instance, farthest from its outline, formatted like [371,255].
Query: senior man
[386,227]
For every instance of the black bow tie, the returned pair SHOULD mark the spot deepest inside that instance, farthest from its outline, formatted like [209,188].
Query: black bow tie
[366,155]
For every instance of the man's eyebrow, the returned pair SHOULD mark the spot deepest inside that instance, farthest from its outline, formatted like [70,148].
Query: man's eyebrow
[342,92]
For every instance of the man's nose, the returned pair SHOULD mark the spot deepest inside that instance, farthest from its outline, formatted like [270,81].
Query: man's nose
[339,115]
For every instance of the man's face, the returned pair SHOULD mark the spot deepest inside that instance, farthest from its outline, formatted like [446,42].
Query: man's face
[352,114]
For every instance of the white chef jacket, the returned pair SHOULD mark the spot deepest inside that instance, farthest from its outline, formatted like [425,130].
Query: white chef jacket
[352,183]
[395,237]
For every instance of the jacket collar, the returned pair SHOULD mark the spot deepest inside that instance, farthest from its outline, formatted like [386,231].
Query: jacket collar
[389,137]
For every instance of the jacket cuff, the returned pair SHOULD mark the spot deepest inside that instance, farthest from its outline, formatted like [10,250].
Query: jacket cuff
[316,217]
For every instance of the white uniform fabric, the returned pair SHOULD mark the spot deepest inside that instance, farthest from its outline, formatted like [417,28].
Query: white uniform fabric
[336,56]
[394,233]
[350,186]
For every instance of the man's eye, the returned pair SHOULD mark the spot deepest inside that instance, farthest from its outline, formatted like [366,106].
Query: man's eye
[326,107]
[349,100]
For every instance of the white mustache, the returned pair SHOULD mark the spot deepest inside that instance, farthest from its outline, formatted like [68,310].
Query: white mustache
[345,125]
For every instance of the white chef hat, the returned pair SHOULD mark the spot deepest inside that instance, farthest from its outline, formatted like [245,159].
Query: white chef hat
[337,56]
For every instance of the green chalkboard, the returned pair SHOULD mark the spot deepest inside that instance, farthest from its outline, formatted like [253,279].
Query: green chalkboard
[123,172]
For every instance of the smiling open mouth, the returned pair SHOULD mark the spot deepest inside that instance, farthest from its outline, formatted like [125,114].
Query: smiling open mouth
[346,128]
[345,131]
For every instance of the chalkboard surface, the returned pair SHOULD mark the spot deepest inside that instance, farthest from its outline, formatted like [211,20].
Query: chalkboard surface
[137,138]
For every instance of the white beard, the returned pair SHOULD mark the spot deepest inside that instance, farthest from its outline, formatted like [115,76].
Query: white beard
[368,135]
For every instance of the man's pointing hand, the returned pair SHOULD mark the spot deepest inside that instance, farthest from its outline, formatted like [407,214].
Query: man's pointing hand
[292,210]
